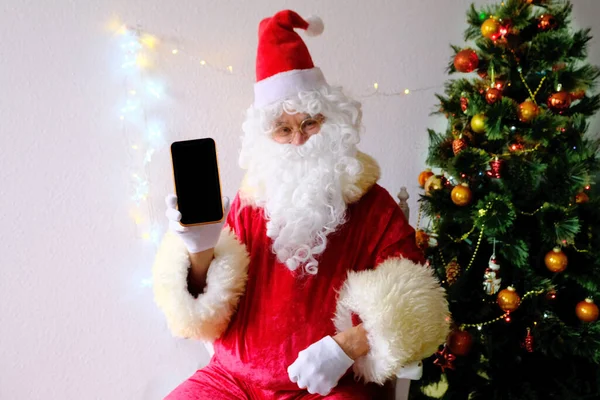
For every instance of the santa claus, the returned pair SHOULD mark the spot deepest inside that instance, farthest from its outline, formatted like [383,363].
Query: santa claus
[313,285]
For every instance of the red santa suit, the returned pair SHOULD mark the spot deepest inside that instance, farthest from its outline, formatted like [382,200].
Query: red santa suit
[260,314]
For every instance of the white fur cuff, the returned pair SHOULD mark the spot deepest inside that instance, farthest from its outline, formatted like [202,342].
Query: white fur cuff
[207,316]
[404,311]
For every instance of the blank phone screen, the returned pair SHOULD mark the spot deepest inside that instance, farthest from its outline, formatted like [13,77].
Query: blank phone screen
[197,185]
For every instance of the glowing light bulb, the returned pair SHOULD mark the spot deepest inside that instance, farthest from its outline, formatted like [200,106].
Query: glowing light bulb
[376,85]
[230,68]
[507,319]
[132,92]
[121,117]
[478,327]
[148,41]
[175,51]
[135,147]
[587,187]
[406,91]
[202,62]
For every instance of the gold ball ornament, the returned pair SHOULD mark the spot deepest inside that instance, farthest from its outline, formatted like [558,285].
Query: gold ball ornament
[508,299]
[461,195]
[587,311]
[423,176]
[432,183]
[490,29]
[466,61]
[478,123]
[556,260]
[528,110]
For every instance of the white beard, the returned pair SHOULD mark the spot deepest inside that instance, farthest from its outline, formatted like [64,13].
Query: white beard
[301,191]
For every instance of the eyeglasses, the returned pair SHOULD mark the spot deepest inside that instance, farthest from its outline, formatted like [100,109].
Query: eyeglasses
[284,133]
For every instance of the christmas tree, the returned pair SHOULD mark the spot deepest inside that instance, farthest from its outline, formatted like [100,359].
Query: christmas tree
[512,210]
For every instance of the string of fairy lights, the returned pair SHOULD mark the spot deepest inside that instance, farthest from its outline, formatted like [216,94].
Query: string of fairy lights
[143,130]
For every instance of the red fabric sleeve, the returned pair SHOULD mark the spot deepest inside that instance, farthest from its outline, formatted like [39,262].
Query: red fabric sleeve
[235,219]
[397,240]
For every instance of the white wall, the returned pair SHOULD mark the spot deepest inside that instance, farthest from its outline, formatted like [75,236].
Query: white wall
[76,319]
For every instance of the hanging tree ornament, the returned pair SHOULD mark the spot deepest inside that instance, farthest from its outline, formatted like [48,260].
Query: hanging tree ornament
[528,111]
[577,95]
[587,311]
[495,168]
[508,299]
[422,239]
[493,94]
[478,123]
[546,22]
[461,195]
[459,342]
[528,342]
[434,182]
[581,198]
[491,279]
[555,260]
[423,176]
[559,101]
[444,359]
[459,144]
[452,271]
[464,103]
[466,61]
[490,28]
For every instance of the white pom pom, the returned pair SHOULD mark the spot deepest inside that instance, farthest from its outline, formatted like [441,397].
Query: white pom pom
[315,26]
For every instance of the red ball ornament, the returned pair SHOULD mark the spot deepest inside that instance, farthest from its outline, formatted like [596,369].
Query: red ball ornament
[466,61]
[587,311]
[559,101]
[492,95]
[460,342]
[546,22]
[582,198]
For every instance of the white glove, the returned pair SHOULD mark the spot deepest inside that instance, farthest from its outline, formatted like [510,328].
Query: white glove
[412,371]
[319,367]
[196,238]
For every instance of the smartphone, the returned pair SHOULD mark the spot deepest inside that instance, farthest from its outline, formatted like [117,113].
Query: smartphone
[197,183]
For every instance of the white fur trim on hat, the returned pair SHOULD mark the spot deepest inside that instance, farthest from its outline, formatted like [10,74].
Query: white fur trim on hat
[207,316]
[404,311]
[315,26]
[287,84]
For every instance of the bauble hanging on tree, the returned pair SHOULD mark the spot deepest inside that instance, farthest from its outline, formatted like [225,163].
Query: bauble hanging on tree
[546,22]
[478,123]
[555,260]
[492,95]
[422,239]
[559,101]
[464,103]
[490,28]
[495,170]
[528,111]
[587,311]
[466,61]
[581,198]
[508,299]
[452,271]
[460,342]
[458,145]
[461,195]
[423,176]
[432,183]
[577,95]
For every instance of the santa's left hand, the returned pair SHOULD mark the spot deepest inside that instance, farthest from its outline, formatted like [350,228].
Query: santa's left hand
[319,367]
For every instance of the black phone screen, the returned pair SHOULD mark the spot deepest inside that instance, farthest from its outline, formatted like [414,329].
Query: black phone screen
[196,175]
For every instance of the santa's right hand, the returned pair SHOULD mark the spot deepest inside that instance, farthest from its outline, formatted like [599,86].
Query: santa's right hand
[196,238]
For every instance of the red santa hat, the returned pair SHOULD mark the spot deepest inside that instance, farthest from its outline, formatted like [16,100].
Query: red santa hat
[283,64]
